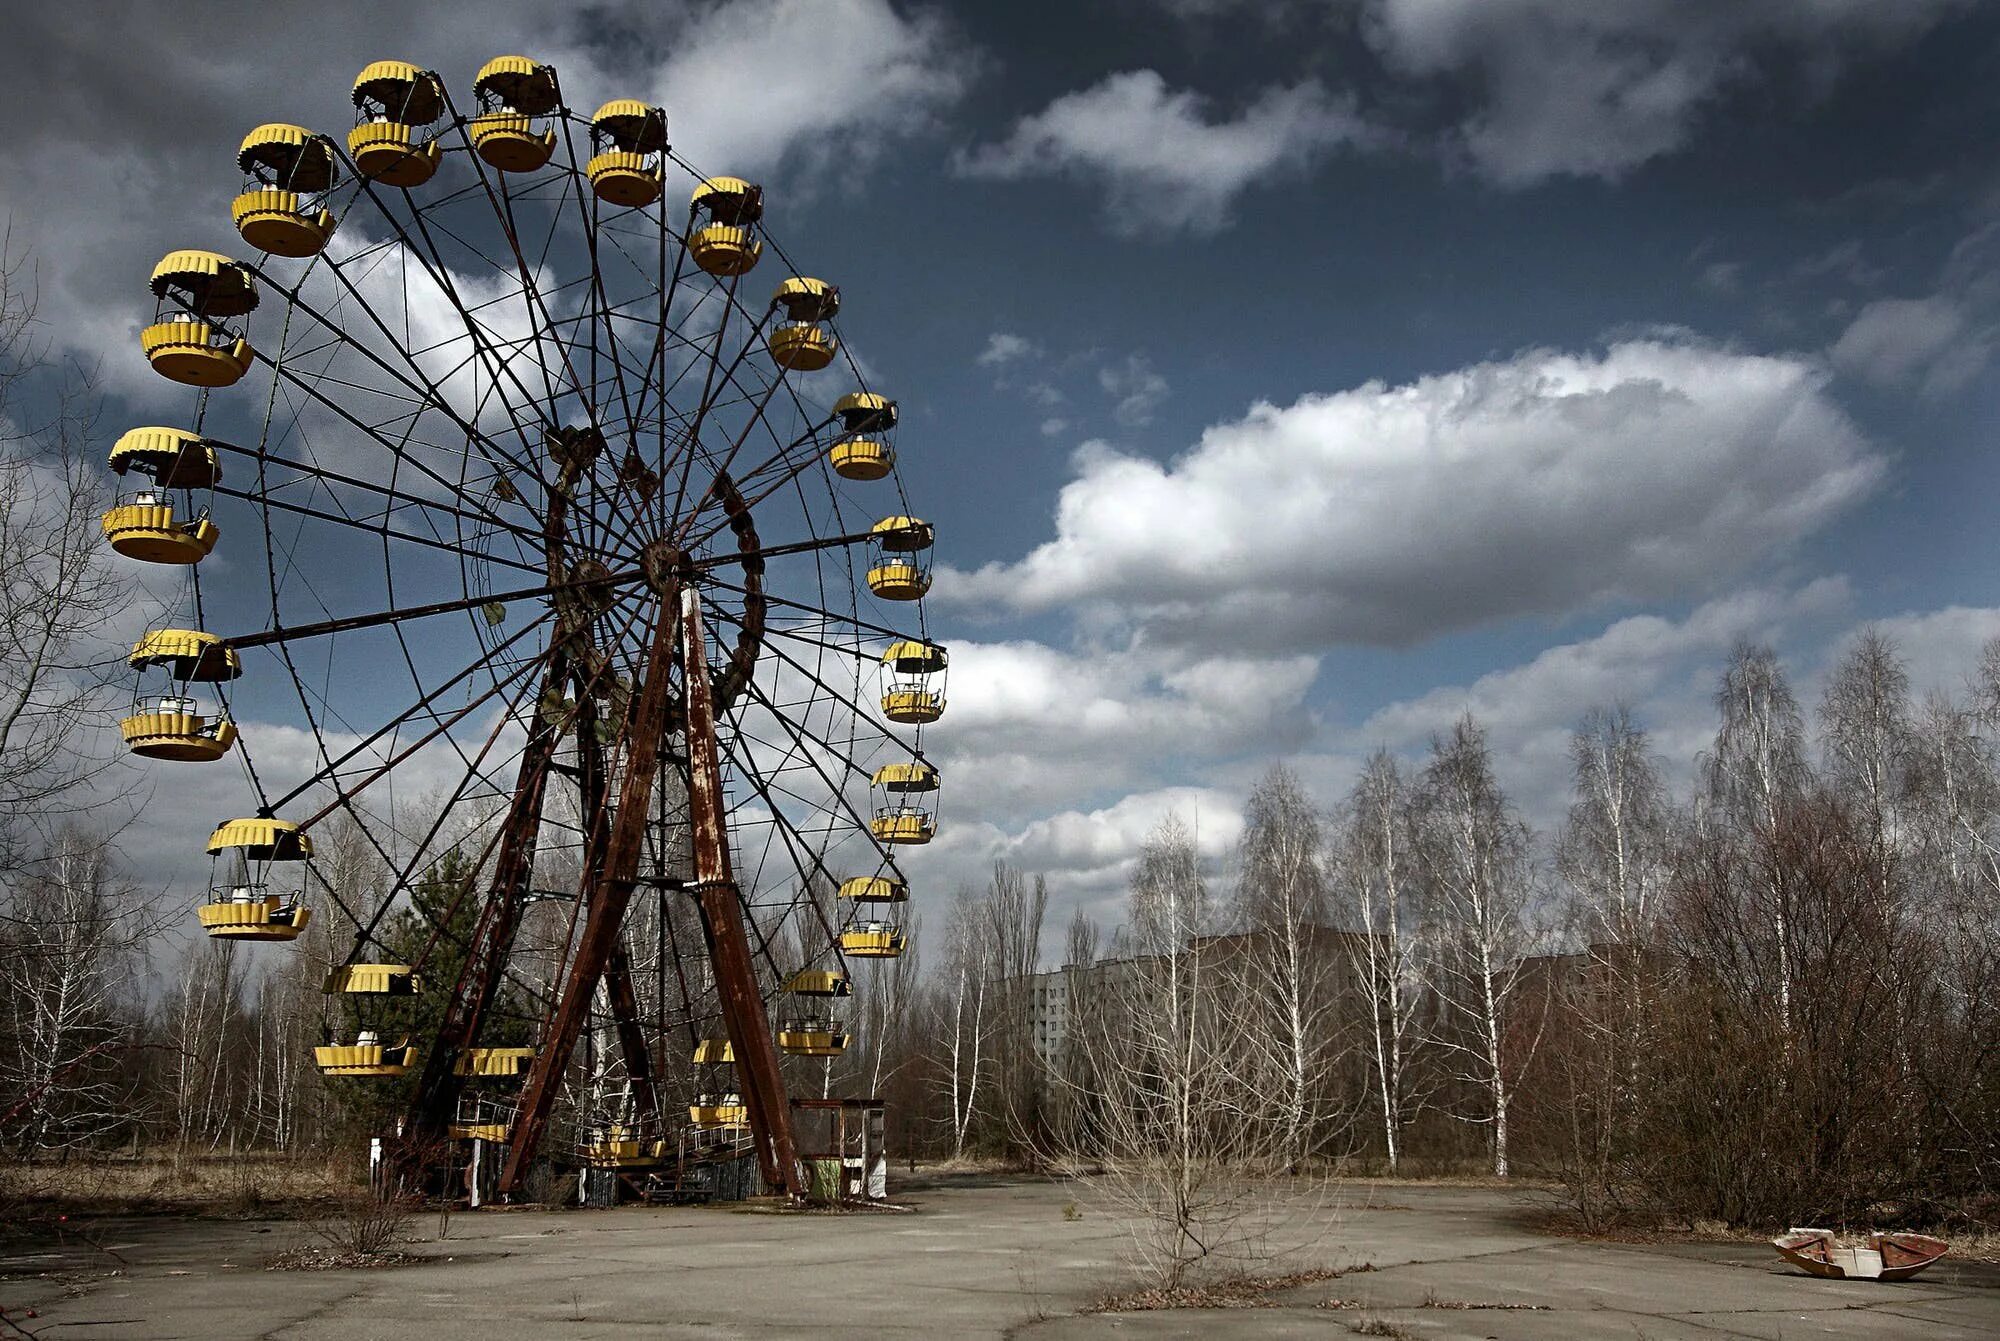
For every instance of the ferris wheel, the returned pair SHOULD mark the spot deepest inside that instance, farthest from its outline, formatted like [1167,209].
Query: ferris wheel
[512,491]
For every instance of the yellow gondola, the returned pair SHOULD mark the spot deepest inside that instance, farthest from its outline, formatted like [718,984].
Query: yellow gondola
[288,168]
[865,453]
[144,527]
[391,100]
[714,1052]
[195,292]
[620,1147]
[895,574]
[497,1132]
[628,137]
[862,459]
[723,236]
[171,724]
[802,342]
[719,1110]
[514,92]
[912,696]
[241,904]
[899,580]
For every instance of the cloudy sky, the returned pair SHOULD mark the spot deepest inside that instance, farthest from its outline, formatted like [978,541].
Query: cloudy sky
[1283,378]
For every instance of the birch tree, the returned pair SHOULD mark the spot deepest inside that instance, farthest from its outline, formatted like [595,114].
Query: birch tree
[73,937]
[1475,855]
[1379,878]
[1756,767]
[964,1026]
[1288,965]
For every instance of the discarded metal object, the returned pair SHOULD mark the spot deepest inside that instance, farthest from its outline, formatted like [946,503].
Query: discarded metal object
[1884,1257]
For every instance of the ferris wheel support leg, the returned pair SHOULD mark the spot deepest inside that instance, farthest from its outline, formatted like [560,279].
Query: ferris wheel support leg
[618,989]
[749,1029]
[610,893]
[436,1095]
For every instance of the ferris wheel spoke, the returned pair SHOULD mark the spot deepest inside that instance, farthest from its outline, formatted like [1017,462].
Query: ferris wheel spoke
[375,619]
[424,392]
[398,500]
[587,216]
[345,791]
[832,616]
[814,677]
[377,528]
[421,708]
[341,411]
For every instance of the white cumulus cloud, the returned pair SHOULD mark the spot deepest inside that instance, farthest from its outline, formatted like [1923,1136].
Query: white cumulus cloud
[1543,484]
[1163,158]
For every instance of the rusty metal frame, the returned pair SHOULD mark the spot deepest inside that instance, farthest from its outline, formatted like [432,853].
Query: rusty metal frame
[758,1076]
[610,892]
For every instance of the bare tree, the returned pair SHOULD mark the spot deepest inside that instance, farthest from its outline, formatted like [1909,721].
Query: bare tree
[73,937]
[1016,909]
[1377,870]
[1756,767]
[1177,1134]
[963,1033]
[59,595]
[1475,855]
[1613,859]
[1289,965]
[1865,730]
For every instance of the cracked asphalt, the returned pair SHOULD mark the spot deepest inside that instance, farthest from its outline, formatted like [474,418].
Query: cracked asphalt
[978,1257]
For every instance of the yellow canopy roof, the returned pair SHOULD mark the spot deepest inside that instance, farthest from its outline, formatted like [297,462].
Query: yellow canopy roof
[721,186]
[411,93]
[374,980]
[222,287]
[903,534]
[914,658]
[876,411]
[263,838]
[304,160]
[186,458]
[524,84]
[806,299]
[638,127]
[819,982]
[916,776]
[189,653]
[875,888]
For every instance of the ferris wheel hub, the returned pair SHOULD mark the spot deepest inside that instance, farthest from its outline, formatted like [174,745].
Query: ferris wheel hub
[667,567]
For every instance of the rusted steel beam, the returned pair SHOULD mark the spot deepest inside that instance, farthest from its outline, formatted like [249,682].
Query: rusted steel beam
[435,1099]
[610,893]
[758,1078]
[631,1038]
[618,967]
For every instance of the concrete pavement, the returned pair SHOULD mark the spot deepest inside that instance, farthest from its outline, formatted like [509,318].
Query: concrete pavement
[978,1258]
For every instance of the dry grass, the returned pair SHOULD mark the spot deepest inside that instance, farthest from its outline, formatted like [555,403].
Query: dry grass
[1234,1292]
[242,1186]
